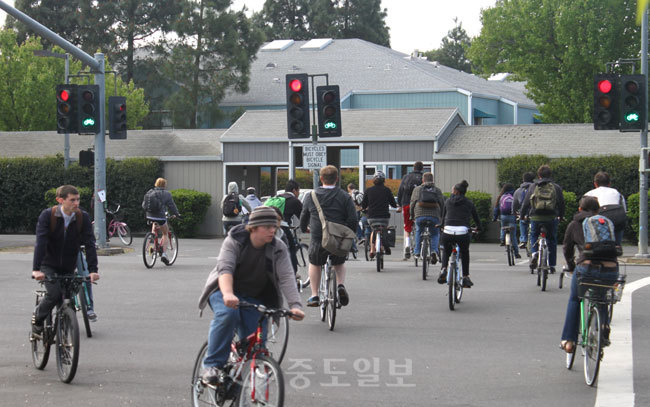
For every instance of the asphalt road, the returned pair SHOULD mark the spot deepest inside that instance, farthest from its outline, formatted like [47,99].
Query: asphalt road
[396,344]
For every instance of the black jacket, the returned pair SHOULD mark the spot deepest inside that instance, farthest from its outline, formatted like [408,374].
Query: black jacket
[59,250]
[337,207]
[376,201]
[412,179]
[292,206]
[518,197]
[167,204]
[459,211]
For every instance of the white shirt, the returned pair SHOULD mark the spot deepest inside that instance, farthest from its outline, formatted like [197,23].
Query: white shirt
[67,218]
[607,196]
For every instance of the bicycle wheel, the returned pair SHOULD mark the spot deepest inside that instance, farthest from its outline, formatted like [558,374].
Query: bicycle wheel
[451,283]
[149,252]
[322,293]
[172,248]
[378,261]
[459,286]
[124,233]
[302,265]
[366,249]
[544,262]
[263,383]
[424,252]
[41,345]
[83,301]
[67,344]
[277,336]
[544,278]
[202,395]
[593,347]
[332,300]
[560,279]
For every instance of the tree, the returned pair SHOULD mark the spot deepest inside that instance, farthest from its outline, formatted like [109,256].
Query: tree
[556,46]
[212,55]
[284,19]
[452,53]
[364,19]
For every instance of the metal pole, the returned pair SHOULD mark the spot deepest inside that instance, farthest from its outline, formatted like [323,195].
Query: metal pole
[100,157]
[314,129]
[66,140]
[643,176]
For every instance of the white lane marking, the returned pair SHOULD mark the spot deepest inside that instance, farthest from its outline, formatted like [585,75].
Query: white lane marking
[616,377]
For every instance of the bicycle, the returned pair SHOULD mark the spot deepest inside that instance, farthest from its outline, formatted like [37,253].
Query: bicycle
[425,247]
[83,300]
[510,250]
[596,293]
[455,275]
[151,247]
[252,376]
[61,329]
[328,295]
[301,254]
[117,226]
[379,247]
[541,257]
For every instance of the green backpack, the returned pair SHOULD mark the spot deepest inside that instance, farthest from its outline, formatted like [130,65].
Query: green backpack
[276,201]
[544,198]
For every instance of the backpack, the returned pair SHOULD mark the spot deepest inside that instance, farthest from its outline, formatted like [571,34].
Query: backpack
[357,197]
[544,198]
[428,197]
[599,238]
[413,182]
[152,202]
[505,204]
[231,205]
[277,201]
[78,217]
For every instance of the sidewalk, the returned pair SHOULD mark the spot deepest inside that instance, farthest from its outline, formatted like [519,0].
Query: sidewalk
[10,241]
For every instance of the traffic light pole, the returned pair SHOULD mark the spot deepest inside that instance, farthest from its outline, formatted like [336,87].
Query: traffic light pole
[314,126]
[643,176]
[97,66]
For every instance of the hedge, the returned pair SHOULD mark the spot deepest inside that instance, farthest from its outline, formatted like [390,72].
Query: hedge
[193,205]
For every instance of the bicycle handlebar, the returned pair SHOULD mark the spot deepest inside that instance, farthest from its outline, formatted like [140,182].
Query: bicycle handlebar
[265,310]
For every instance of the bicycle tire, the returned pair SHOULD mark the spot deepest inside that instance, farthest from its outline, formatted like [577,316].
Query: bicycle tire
[277,337]
[451,283]
[67,344]
[366,249]
[593,347]
[378,261]
[544,278]
[124,233]
[300,254]
[41,346]
[424,252]
[560,279]
[459,286]
[83,301]
[322,293]
[172,250]
[149,252]
[263,383]
[332,299]
[198,390]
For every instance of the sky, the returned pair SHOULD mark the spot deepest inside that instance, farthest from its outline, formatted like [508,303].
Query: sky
[414,24]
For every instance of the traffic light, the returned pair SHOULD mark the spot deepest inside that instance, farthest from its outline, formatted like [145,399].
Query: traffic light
[329,111]
[605,102]
[86,158]
[88,109]
[117,117]
[632,102]
[298,105]
[66,108]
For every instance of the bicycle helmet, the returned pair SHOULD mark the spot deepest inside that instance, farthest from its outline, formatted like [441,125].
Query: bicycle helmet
[379,175]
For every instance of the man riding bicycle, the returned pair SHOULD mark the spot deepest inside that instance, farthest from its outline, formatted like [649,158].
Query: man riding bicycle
[406,187]
[376,201]
[289,206]
[156,201]
[337,207]
[426,206]
[253,266]
[60,232]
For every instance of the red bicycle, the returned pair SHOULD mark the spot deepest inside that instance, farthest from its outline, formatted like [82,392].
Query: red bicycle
[152,247]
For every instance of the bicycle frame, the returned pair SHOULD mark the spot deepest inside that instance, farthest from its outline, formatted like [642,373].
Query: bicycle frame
[455,257]
[114,225]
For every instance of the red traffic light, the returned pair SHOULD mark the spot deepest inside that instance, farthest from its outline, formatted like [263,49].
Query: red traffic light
[64,95]
[605,86]
[295,85]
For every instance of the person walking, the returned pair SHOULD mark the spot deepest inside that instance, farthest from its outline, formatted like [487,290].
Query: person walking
[406,187]
[231,207]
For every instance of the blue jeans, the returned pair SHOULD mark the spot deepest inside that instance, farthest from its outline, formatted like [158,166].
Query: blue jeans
[223,325]
[435,234]
[523,231]
[551,238]
[572,319]
[511,221]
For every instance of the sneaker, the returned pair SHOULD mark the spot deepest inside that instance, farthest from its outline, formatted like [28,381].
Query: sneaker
[552,270]
[164,258]
[407,253]
[605,340]
[387,251]
[467,283]
[344,299]
[361,241]
[91,315]
[213,376]
[37,330]
[533,261]
[502,243]
[442,277]
[416,256]
[522,245]
[313,301]
[434,258]
[372,256]
[517,256]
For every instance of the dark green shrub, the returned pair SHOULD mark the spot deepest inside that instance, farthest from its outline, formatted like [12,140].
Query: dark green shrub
[85,195]
[192,205]
[632,229]
[570,209]
[483,203]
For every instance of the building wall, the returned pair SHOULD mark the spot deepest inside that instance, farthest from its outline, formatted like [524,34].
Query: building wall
[256,152]
[489,106]
[204,176]
[397,151]
[506,113]
[526,116]
[414,100]
[480,174]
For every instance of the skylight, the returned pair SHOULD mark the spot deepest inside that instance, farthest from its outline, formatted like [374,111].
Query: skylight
[317,44]
[277,45]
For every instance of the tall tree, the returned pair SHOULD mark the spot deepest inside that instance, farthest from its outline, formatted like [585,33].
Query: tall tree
[284,19]
[364,19]
[212,55]
[453,51]
[556,46]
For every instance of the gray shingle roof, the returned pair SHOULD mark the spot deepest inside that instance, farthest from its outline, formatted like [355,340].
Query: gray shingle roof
[139,143]
[357,125]
[357,65]
[553,140]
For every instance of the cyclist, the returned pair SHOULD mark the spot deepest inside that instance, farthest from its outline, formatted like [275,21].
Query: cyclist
[612,203]
[503,209]
[457,214]
[604,268]
[253,202]
[60,231]
[544,205]
[518,200]
[426,206]
[376,201]
[337,207]
[231,207]
[357,198]
[253,266]
[409,182]
[291,206]
[156,201]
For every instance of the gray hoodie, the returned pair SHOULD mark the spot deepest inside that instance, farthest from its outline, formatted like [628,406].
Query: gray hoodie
[232,187]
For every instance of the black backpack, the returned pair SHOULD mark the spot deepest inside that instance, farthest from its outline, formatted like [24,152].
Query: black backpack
[429,197]
[231,205]
[152,202]
[415,179]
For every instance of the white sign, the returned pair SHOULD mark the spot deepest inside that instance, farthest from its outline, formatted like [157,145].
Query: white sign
[102,195]
[314,157]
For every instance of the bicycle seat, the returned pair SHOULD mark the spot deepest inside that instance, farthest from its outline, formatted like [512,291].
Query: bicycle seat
[429,224]
[378,226]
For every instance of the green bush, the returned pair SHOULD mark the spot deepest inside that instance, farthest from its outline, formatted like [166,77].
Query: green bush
[192,205]
[570,209]
[483,203]
[632,229]
[85,195]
